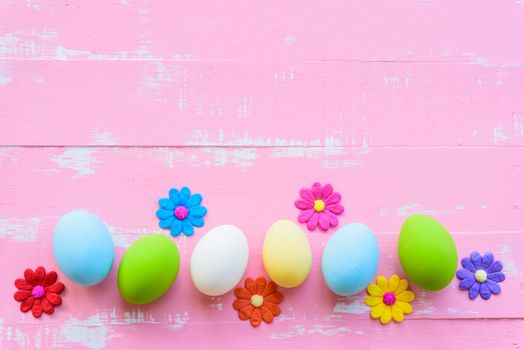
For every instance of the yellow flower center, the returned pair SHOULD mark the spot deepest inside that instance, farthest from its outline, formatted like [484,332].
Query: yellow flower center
[319,205]
[257,300]
[481,276]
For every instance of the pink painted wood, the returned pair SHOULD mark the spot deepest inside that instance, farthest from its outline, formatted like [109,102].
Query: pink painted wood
[406,107]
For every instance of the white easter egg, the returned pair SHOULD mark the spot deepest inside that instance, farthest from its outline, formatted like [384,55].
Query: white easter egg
[219,260]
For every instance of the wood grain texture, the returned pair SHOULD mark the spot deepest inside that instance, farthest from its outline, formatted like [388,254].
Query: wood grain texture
[406,107]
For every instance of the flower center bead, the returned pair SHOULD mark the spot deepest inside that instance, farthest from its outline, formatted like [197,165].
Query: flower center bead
[181,212]
[319,205]
[38,292]
[257,300]
[481,276]
[389,298]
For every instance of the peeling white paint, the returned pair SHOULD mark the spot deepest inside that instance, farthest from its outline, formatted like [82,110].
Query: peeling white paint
[25,230]
[92,333]
[123,238]
[509,266]
[498,134]
[351,305]
[295,331]
[103,138]
[79,159]
[5,74]
[178,320]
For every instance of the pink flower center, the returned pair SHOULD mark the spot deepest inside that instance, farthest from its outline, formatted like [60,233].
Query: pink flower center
[38,292]
[389,298]
[181,212]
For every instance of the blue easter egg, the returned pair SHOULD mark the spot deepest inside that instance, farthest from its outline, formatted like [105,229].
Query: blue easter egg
[350,259]
[83,247]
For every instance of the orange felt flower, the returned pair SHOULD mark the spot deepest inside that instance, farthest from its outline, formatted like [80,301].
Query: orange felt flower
[257,301]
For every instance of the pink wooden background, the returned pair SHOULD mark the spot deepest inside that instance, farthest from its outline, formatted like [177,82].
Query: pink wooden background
[405,106]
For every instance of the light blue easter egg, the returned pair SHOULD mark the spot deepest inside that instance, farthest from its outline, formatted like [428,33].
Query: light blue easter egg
[350,259]
[83,247]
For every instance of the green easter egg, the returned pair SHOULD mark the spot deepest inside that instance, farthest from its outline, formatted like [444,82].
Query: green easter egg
[148,269]
[427,252]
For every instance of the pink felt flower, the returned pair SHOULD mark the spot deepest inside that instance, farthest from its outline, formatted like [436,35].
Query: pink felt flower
[319,206]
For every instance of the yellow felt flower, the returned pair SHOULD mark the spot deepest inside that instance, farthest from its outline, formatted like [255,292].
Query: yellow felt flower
[389,299]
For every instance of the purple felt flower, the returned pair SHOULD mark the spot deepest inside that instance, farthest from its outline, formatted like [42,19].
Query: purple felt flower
[481,275]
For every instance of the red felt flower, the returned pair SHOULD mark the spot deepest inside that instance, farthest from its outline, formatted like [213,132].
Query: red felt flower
[38,291]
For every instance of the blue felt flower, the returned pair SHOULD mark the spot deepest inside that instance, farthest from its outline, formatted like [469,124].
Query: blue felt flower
[181,212]
[481,275]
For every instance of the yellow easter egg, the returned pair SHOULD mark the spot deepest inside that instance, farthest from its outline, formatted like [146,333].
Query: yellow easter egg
[286,254]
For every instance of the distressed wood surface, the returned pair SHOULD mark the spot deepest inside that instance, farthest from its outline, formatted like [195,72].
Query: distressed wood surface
[406,107]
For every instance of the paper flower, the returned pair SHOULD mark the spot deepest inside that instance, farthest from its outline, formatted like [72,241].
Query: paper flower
[38,291]
[258,301]
[319,206]
[481,274]
[389,300]
[181,212]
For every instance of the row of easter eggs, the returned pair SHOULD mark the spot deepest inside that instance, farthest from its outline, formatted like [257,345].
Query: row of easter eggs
[84,252]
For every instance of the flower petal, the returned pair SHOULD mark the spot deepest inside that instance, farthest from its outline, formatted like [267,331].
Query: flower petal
[335,209]
[323,221]
[240,303]
[260,284]
[402,286]
[256,317]
[55,288]
[187,228]
[313,222]
[405,307]
[493,286]
[47,306]
[372,301]
[467,264]
[198,211]
[486,260]
[474,291]
[485,293]
[496,276]
[164,213]
[250,285]
[375,290]
[246,312]
[49,278]
[167,223]
[176,228]
[327,190]
[406,296]
[275,298]
[22,295]
[495,267]
[393,283]
[307,194]
[317,190]
[382,282]
[271,287]
[267,316]
[467,282]
[274,308]
[305,215]
[194,200]
[166,203]
[21,283]
[185,193]
[37,308]
[53,298]
[196,221]
[27,304]
[396,313]
[386,315]
[303,204]
[464,273]
[242,293]
[333,221]
[30,277]
[334,199]
[378,310]
[476,259]
[174,195]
